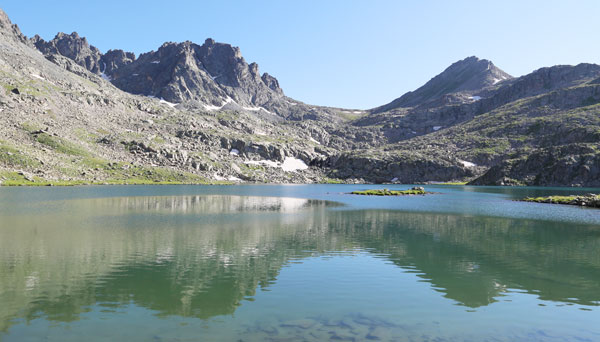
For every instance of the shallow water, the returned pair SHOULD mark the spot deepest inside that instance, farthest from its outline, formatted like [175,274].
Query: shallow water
[296,263]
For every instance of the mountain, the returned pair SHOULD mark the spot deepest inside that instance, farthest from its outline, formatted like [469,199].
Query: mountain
[200,113]
[211,76]
[469,75]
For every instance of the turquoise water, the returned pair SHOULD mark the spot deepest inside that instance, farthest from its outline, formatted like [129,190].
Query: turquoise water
[296,263]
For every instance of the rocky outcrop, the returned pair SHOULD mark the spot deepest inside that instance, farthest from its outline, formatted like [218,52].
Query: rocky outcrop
[541,81]
[403,168]
[71,46]
[113,60]
[569,165]
[11,31]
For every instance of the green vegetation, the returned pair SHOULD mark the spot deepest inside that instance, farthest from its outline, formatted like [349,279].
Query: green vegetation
[386,192]
[11,157]
[331,181]
[590,200]
[61,145]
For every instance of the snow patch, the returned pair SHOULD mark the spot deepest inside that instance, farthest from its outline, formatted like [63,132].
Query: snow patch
[233,179]
[289,164]
[395,179]
[413,132]
[217,177]
[496,80]
[475,98]
[437,128]
[256,109]
[467,163]
[155,62]
[293,164]
[38,77]
[136,74]
[106,77]
[213,107]
[234,152]
[315,141]
[252,109]
[170,104]
[357,112]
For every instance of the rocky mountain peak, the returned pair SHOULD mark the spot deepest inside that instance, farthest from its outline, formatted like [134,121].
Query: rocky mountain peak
[212,74]
[468,75]
[272,83]
[10,30]
[72,46]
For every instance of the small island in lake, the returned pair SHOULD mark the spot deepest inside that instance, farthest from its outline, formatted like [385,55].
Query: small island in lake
[385,192]
[589,200]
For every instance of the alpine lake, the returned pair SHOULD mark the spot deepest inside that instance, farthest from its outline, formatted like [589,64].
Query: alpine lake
[296,263]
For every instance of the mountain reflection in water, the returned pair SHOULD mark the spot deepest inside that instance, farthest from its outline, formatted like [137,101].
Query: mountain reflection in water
[202,256]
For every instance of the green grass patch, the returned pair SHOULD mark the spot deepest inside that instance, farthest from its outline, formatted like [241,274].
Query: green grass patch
[386,192]
[61,145]
[12,157]
[590,200]
[331,181]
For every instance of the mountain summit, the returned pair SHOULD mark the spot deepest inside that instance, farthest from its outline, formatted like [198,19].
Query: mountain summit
[468,75]
[211,76]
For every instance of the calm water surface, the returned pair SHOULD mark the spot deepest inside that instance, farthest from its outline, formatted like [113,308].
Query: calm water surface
[296,263]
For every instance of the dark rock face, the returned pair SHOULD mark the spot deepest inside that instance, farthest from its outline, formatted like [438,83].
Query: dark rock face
[402,169]
[272,83]
[569,165]
[71,46]
[114,60]
[469,74]
[212,74]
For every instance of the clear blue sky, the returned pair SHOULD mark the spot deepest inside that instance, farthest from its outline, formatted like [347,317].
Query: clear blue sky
[353,54]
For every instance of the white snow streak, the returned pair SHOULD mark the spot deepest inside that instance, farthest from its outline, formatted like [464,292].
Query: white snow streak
[467,163]
[213,107]
[170,104]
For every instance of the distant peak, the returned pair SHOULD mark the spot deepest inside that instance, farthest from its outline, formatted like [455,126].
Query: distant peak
[470,74]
